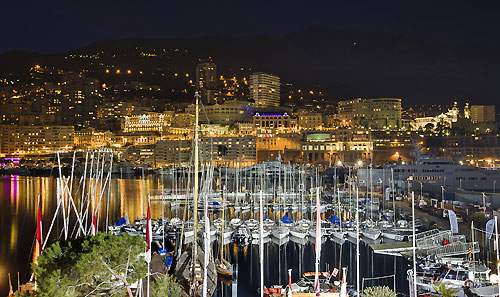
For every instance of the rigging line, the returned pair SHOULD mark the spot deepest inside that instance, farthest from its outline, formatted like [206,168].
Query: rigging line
[480,230]
[379,277]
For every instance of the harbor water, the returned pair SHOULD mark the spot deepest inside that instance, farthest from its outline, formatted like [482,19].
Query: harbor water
[128,196]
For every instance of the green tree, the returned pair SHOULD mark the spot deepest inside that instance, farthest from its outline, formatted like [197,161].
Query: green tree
[89,266]
[445,291]
[167,286]
[378,291]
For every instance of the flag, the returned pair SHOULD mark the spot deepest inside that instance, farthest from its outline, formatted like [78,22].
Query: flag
[149,233]
[490,225]
[289,282]
[453,221]
[39,229]
[93,228]
[335,272]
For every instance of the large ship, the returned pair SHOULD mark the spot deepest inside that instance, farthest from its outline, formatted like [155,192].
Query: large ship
[433,175]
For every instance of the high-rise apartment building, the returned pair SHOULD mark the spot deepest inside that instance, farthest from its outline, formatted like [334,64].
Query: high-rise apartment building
[375,114]
[265,89]
[384,114]
[23,140]
[206,80]
[482,113]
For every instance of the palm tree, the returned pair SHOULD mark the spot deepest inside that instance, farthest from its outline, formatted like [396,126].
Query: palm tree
[378,291]
[444,291]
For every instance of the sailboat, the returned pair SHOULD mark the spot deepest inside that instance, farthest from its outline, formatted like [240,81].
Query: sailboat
[195,270]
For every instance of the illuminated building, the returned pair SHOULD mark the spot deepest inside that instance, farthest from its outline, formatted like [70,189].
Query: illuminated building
[80,99]
[142,154]
[446,119]
[469,147]
[183,120]
[227,113]
[274,123]
[269,145]
[375,114]
[228,151]
[151,121]
[168,152]
[482,113]
[265,89]
[206,80]
[37,119]
[246,129]
[90,139]
[22,140]
[344,144]
[310,120]
[214,129]
[352,112]
[384,114]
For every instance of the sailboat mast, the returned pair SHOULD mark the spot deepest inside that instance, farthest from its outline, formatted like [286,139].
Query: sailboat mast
[414,243]
[261,245]
[357,239]
[195,195]
[318,239]
[223,223]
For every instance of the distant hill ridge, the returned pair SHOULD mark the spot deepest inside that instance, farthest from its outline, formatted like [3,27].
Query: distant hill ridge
[344,63]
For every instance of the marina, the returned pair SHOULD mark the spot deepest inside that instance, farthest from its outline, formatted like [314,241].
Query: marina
[209,215]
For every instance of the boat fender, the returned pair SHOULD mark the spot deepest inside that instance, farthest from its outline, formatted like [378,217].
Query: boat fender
[469,283]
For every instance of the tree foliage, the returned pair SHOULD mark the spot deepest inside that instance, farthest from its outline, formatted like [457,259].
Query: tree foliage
[378,291]
[89,266]
[167,286]
[445,291]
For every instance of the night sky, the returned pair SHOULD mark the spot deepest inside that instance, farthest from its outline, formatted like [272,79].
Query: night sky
[57,26]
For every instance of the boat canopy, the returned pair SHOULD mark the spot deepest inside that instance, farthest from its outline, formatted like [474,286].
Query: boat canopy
[335,220]
[121,222]
[285,219]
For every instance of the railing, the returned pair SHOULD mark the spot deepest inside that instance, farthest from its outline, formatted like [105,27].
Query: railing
[434,239]
[424,234]
[458,248]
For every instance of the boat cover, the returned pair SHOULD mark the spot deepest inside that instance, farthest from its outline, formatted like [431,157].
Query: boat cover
[121,222]
[335,220]
[285,219]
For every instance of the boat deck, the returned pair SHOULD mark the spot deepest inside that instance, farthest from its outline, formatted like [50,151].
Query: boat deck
[392,248]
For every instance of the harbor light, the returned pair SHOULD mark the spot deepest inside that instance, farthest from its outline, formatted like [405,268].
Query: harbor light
[360,163]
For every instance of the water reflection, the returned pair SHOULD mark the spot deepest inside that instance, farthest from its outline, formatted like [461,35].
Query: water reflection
[18,202]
